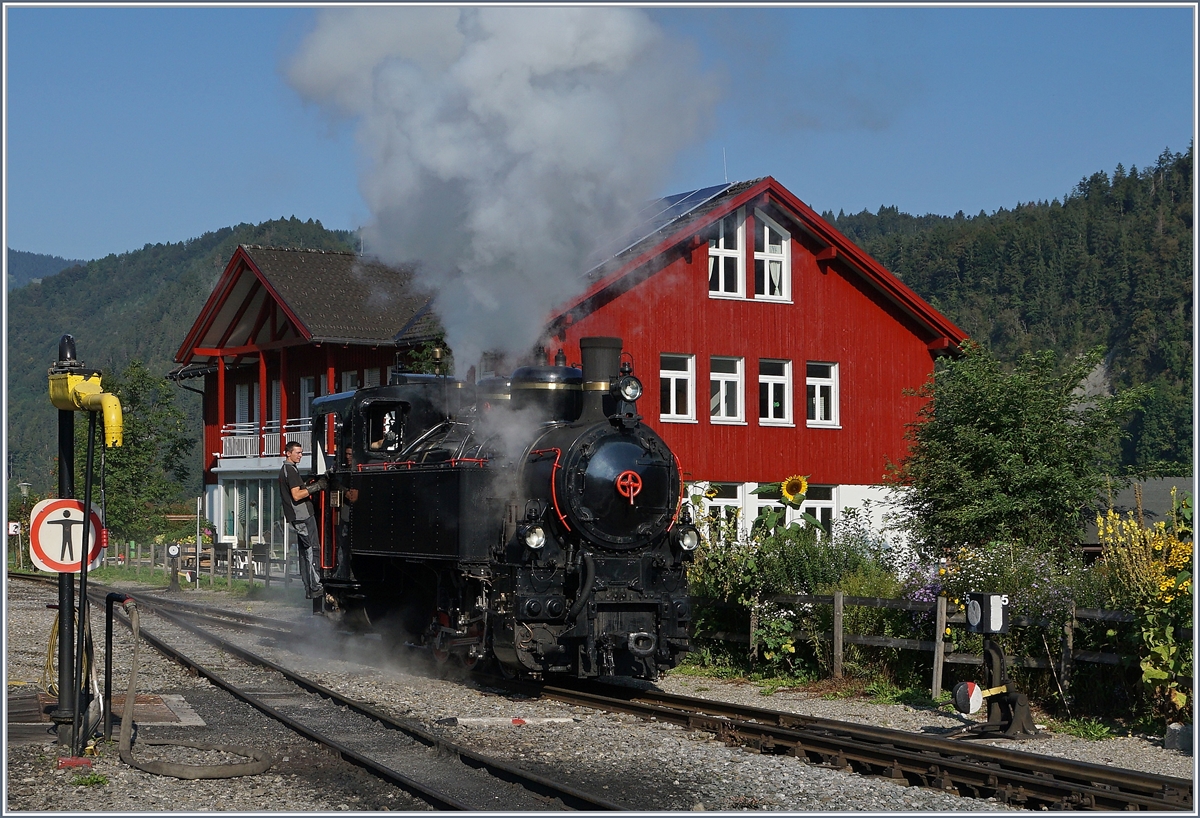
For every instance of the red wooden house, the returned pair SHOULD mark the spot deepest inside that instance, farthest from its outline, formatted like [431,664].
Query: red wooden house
[280,328]
[769,344]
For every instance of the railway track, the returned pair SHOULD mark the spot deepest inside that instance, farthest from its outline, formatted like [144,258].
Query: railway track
[1011,777]
[961,767]
[441,773]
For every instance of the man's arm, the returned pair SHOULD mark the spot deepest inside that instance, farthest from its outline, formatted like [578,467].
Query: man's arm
[300,492]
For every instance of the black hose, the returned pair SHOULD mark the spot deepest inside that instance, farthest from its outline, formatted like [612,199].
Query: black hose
[262,761]
[585,587]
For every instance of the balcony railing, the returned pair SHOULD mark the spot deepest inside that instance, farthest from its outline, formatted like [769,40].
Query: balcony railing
[244,439]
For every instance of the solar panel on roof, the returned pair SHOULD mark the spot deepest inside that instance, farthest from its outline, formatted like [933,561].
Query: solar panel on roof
[656,215]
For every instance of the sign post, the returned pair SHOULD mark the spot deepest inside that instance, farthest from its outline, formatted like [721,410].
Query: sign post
[74,388]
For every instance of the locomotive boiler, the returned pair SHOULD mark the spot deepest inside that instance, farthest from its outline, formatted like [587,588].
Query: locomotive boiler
[534,520]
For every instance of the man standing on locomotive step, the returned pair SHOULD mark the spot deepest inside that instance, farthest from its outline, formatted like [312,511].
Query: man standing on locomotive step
[298,510]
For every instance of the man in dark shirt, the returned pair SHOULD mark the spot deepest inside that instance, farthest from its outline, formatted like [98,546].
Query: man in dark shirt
[299,512]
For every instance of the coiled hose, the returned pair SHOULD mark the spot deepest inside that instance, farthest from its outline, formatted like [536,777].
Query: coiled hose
[261,762]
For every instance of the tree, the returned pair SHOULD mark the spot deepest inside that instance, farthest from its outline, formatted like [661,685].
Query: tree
[145,475]
[1018,454]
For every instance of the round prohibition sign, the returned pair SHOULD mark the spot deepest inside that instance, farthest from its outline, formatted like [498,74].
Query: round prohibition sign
[56,535]
[629,484]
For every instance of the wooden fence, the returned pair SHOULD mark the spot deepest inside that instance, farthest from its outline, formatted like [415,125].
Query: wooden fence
[1062,664]
[256,564]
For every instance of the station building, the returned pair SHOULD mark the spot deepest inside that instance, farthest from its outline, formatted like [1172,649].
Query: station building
[280,328]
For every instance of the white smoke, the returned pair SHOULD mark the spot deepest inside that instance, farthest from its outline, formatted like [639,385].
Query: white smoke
[501,144]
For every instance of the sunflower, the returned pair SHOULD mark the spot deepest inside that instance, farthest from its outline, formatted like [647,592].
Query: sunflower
[795,486]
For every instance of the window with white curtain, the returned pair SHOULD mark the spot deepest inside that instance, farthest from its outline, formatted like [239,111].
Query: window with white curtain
[772,259]
[726,273]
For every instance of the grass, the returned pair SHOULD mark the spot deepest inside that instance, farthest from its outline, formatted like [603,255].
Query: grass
[1086,728]
[771,685]
[90,780]
[882,691]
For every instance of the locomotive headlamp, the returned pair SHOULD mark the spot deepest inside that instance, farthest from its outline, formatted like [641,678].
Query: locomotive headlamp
[687,537]
[533,535]
[629,388]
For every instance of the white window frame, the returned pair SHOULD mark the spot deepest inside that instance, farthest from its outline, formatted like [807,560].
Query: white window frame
[726,508]
[783,381]
[757,502]
[824,510]
[371,376]
[674,375]
[349,380]
[727,383]
[812,388]
[763,223]
[717,251]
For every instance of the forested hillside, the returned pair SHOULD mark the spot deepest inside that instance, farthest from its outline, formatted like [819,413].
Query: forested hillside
[26,267]
[1111,265]
[137,305]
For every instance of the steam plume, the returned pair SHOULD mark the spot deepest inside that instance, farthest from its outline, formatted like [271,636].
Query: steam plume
[500,143]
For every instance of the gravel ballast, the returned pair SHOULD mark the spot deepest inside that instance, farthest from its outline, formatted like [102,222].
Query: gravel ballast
[644,765]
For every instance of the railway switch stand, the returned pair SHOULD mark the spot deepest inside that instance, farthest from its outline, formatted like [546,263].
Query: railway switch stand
[1008,712]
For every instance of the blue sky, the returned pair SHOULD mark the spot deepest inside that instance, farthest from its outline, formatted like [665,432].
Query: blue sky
[128,126]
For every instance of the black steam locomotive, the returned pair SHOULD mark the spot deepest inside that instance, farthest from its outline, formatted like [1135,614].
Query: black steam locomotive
[533,519]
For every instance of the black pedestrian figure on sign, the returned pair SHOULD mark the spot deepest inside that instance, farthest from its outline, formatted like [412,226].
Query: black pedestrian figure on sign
[67,545]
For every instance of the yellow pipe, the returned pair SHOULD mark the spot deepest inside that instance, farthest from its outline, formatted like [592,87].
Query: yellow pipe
[114,423]
[70,393]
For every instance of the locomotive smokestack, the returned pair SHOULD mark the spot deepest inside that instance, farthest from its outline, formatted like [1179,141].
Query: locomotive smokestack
[601,362]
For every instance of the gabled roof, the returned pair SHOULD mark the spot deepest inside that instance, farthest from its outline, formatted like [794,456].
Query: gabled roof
[270,297]
[686,228]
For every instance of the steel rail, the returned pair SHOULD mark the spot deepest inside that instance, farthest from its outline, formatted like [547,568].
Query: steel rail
[434,798]
[1010,776]
[498,769]
[1065,769]
[502,770]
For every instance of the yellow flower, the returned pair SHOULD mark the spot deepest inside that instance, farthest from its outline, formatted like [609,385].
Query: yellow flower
[947,629]
[793,486]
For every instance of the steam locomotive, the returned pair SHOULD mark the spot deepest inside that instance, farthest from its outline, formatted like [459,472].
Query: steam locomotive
[532,520]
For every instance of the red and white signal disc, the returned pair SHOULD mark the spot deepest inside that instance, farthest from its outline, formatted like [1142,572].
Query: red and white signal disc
[968,698]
